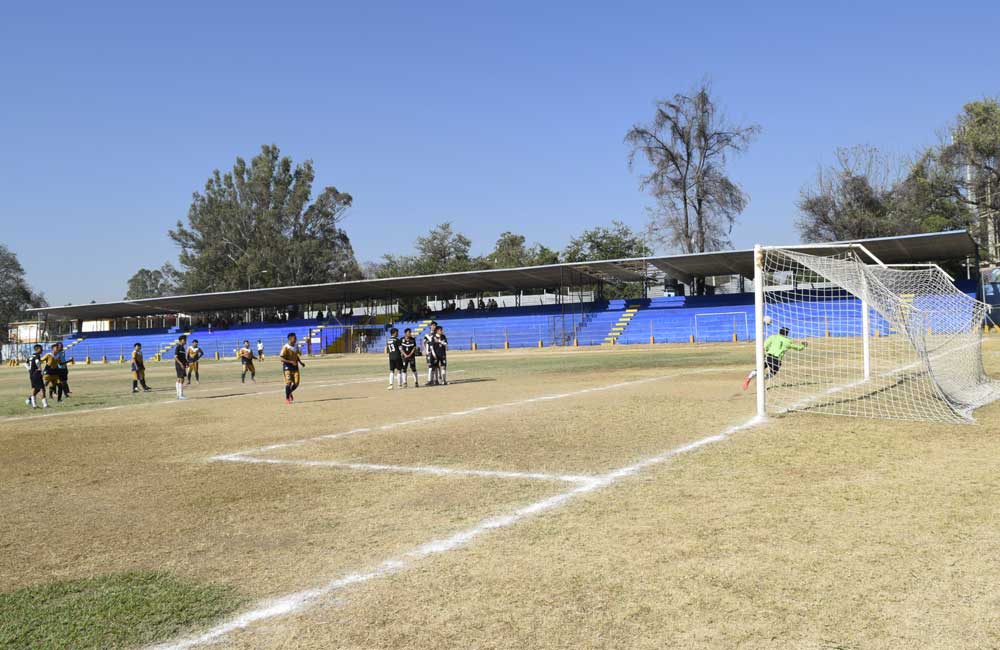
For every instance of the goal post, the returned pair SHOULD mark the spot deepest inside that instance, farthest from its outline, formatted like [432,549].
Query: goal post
[865,338]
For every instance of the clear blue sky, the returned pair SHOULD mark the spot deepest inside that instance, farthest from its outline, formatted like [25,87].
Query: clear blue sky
[496,116]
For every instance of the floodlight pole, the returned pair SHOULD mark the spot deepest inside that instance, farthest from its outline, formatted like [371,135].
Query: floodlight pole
[758,307]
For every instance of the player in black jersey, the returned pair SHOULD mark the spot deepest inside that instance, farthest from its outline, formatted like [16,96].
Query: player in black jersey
[408,346]
[392,346]
[34,367]
[181,364]
[439,347]
[429,353]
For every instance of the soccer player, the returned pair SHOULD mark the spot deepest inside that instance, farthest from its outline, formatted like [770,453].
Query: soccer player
[260,350]
[181,364]
[290,362]
[63,369]
[34,367]
[50,370]
[440,347]
[138,370]
[775,347]
[408,348]
[428,354]
[194,353]
[392,346]
[246,358]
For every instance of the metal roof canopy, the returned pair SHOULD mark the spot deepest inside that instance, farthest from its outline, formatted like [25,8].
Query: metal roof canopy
[931,247]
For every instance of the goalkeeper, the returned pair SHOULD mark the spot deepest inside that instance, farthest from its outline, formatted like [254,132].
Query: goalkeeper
[775,347]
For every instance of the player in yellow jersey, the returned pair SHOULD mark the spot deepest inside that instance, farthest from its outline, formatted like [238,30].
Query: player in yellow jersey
[194,353]
[246,359]
[138,370]
[290,362]
[50,363]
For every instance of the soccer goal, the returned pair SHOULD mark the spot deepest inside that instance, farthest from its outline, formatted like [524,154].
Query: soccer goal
[839,332]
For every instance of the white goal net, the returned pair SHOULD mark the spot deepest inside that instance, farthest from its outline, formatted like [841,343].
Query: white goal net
[880,342]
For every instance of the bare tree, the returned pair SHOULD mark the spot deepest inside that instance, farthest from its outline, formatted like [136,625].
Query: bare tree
[851,199]
[686,146]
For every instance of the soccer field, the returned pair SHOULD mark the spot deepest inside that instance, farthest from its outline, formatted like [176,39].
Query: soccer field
[565,498]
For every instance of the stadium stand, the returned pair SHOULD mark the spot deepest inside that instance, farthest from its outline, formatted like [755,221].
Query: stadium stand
[679,319]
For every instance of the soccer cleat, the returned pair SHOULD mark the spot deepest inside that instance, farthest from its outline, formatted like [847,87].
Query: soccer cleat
[27,402]
[135,390]
[390,387]
[147,390]
[181,397]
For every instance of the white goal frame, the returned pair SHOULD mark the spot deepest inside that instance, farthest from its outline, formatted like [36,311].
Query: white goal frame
[758,285]
[927,366]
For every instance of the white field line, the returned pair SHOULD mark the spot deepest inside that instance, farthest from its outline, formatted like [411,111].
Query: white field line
[195,397]
[456,414]
[414,469]
[298,601]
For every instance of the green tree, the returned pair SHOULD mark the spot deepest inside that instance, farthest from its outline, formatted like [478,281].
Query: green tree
[442,250]
[973,157]
[925,199]
[256,225]
[153,283]
[511,251]
[602,243]
[16,296]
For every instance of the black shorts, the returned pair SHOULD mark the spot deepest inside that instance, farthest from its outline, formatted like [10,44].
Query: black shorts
[181,370]
[410,364]
[772,363]
[37,383]
[395,363]
[440,362]
[63,373]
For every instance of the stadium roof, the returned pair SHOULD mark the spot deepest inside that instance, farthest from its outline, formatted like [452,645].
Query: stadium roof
[932,247]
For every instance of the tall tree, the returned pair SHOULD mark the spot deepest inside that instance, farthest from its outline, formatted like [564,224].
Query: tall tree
[257,226]
[153,283]
[602,243]
[16,295]
[973,156]
[686,147]
[925,200]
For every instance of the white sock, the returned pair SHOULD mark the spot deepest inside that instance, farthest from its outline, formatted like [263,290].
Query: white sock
[33,401]
[444,374]
[45,402]
[430,374]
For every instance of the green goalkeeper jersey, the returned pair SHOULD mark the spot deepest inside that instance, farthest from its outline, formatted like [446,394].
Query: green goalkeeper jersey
[777,345]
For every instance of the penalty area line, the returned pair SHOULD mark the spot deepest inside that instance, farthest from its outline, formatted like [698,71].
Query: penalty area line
[298,601]
[408,469]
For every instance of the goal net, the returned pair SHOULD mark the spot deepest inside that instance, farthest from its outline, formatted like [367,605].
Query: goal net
[880,342]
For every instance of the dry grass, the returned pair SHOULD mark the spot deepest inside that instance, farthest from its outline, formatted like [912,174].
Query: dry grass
[809,532]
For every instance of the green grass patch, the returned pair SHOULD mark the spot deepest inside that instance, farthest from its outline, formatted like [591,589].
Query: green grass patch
[114,611]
